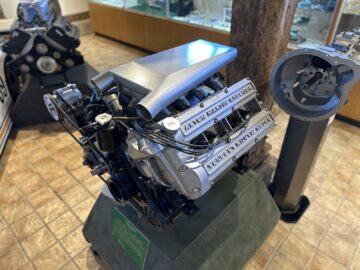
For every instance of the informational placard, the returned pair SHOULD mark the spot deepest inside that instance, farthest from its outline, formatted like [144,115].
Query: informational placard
[133,242]
[5,104]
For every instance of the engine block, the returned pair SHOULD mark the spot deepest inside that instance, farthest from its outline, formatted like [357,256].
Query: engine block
[41,43]
[165,127]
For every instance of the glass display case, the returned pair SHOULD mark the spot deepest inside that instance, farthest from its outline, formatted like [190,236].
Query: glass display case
[213,14]
[118,3]
[311,22]
[350,17]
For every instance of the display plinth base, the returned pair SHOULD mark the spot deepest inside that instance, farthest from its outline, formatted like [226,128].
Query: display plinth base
[29,107]
[233,220]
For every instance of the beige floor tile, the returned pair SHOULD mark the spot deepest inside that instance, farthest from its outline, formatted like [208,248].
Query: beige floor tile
[74,242]
[252,265]
[5,182]
[81,173]
[49,169]
[87,261]
[27,266]
[297,251]
[67,140]
[355,263]
[7,240]
[308,231]
[22,174]
[345,229]
[284,227]
[336,248]
[24,134]
[38,242]
[16,165]
[275,237]
[319,215]
[52,210]
[340,241]
[75,195]
[10,196]
[52,147]
[16,211]
[93,184]
[323,262]
[328,200]
[311,189]
[69,266]
[64,224]
[13,259]
[83,209]
[9,153]
[354,192]
[262,256]
[35,154]
[355,142]
[63,152]
[282,262]
[26,226]
[350,212]
[52,258]
[336,182]
[73,162]
[64,183]
[31,184]
[41,197]
[347,168]
[49,140]
[26,146]
[2,224]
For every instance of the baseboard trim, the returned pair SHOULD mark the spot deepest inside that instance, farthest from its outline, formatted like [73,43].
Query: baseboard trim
[78,16]
[348,120]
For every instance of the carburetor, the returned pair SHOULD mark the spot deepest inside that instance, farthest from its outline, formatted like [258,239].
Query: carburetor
[165,127]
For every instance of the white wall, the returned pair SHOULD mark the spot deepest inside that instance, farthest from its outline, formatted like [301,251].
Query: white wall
[68,7]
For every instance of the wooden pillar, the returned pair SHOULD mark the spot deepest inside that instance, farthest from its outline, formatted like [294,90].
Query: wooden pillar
[260,32]
[1,13]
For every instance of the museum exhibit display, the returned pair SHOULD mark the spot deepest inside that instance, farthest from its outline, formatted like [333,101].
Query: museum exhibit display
[311,22]
[167,136]
[167,129]
[41,56]
[311,85]
[216,134]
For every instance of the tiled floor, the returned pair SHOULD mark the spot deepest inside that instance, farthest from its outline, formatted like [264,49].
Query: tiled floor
[46,195]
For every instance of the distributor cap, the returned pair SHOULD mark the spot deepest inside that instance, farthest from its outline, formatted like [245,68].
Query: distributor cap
[313,84]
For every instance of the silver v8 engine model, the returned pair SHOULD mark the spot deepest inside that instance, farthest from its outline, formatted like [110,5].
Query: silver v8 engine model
[165,127]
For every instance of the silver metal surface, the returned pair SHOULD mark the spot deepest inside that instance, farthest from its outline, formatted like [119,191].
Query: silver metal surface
[193,175]
[201,117]
[47,64]
[164,77]
[313,84]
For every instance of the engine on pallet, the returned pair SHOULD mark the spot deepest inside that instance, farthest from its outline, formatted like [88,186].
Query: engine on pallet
[165,128]
[42,42]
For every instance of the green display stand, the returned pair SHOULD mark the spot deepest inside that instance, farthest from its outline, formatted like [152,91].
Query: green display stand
[233,220]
